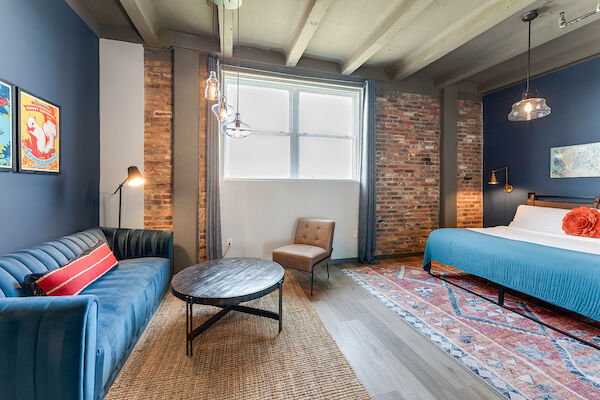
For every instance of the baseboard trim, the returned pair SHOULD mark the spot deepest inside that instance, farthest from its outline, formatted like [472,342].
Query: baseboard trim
[379,257]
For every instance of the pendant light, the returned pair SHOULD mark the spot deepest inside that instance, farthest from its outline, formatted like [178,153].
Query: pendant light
[530,106]
[223,111]
[236,128]
[212,91]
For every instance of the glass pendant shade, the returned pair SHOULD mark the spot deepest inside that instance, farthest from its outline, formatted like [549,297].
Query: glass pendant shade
[529,108]
[236,128]
[212,92]
[223,111]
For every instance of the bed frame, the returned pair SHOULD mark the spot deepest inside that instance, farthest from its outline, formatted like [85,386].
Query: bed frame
[538,201]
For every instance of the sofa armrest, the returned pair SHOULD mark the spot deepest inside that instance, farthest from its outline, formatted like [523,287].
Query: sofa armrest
[135,243]
[48,347]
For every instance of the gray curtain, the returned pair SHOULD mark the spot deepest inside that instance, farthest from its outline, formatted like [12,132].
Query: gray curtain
[213,208]
[367,224]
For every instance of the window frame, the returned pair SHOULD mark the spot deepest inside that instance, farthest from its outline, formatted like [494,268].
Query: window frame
[295,86]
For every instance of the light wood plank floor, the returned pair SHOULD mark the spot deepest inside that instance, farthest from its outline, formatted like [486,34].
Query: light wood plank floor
[393,360]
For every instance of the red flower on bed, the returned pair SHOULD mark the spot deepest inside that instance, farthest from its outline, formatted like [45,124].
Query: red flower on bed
[582,221]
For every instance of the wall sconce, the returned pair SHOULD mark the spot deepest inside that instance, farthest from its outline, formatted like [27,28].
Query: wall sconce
[494,181]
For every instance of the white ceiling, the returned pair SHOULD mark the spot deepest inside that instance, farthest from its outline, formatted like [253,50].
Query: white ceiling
[442,42]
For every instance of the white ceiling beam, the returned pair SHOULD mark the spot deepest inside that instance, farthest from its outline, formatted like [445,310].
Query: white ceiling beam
[226,31]
[84,13]
[544,29]
[399,19]
[201,44]
[457,34]
[142,15]
[314,15]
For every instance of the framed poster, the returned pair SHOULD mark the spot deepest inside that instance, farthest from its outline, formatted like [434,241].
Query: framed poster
[579,161]
[8,137]
[39,134]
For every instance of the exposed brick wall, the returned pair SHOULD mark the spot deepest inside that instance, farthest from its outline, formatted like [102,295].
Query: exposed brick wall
[408,170]
[158,128]
[202,254]
[469,196]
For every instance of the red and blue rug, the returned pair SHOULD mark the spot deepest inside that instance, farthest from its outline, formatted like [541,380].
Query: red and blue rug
[518,357]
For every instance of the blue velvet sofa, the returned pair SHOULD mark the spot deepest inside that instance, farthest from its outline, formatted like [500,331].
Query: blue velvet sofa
[72,347]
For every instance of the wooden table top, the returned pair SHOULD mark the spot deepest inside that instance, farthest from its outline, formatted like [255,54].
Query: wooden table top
[227,281]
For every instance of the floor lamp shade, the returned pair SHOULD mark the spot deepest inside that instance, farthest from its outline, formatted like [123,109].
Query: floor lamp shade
[134,178]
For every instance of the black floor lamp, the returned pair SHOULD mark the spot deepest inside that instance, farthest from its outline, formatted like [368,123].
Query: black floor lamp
[134,178]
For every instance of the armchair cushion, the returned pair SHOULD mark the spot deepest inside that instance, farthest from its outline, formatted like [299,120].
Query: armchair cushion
[300,256]
[315,232]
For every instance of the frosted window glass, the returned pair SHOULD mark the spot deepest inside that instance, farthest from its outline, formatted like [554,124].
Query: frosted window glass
[326,114]
[325,158]
[257,156]
[264,109]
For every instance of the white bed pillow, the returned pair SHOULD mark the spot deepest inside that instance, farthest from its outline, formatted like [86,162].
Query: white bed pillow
[543,219]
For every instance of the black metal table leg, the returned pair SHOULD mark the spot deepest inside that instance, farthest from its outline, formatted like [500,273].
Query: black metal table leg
[280,306]
[191,326]
[187,327]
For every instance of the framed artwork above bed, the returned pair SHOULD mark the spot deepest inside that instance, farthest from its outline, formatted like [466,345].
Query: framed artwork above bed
[579,161]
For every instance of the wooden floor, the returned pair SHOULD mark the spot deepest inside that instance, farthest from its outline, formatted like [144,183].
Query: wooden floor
[393,360]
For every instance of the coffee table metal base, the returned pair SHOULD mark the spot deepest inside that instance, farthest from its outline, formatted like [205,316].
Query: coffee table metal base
[192,333]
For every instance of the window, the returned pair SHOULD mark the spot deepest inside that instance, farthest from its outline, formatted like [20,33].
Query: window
[302,129]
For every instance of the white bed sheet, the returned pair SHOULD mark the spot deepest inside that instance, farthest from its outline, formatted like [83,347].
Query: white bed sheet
[562,241]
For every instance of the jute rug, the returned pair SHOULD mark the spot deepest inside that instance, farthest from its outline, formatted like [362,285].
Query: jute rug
[240,357]
[519,358]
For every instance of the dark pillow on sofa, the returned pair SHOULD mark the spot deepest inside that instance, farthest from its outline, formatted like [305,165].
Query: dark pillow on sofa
[30,287]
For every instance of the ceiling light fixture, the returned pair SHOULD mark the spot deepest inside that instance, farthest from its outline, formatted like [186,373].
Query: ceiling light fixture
[236,128]
[530,106]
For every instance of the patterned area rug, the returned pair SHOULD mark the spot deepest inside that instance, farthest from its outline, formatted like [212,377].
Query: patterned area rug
[241,357]
[519,358]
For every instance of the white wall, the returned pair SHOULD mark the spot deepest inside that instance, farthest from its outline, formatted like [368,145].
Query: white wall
[260,215]
[121,130]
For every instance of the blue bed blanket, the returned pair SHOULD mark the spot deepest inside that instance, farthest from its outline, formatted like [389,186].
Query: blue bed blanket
[566,278]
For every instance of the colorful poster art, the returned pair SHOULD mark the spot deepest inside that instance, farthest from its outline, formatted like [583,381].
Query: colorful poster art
[579,161]
[7,127]
[39,134]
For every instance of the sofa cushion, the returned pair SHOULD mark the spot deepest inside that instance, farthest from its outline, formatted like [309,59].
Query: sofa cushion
[300,256]
[128,297]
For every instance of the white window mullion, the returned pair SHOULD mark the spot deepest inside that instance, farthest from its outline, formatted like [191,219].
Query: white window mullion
[294,139]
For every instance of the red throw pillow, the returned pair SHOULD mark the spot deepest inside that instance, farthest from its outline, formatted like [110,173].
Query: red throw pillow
[78,273]
[582,221]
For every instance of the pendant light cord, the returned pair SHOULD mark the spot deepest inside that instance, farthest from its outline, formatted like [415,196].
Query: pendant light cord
[238,58]
[528,58]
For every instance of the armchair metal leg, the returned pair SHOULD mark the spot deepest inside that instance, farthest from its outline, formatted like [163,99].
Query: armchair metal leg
[312,276]
[327,270]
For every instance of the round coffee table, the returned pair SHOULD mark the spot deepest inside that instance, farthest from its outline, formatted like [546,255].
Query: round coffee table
[225,283]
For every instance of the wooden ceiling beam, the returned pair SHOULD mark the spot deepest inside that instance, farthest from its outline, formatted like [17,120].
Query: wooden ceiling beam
[544,29]
[457,34]
[314,15]
[226,31]
[143,17]
[399,19]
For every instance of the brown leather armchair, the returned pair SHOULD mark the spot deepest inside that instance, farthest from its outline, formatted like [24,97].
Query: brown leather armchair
[312,247]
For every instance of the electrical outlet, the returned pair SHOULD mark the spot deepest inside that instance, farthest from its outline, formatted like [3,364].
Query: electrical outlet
[355,233]
[229,242]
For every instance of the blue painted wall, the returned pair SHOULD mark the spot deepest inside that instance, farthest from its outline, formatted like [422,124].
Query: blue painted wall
[574,96]
[48,49]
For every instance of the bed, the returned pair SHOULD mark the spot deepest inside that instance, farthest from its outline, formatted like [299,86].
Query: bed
[531,255]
